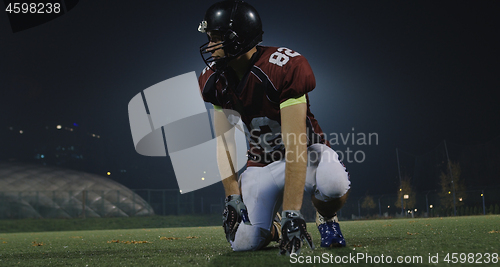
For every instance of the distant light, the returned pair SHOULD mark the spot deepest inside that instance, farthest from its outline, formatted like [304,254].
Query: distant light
[460,199]
[42,156]
[93,135]
[409,211]
[203,178]
[180,191]
[21,131]
[481,194]
[406,196]
[430,206]
[11,128]
[58,127]
[449,192]
[108,173]
[415,210]
[98,136]
[204,172]
[70,129]
[75,124]
[388,207]
[400,189]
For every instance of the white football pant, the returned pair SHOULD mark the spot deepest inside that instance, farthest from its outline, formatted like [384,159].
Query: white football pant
[262,192]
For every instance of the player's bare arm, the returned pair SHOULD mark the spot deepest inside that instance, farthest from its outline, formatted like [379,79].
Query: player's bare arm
[293,131]
[226,153]
[235,210]
[293,128]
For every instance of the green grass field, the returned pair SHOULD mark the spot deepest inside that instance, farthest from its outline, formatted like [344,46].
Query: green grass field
[206,246]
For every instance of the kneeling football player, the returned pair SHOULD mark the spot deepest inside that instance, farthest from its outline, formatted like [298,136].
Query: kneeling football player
[268,88]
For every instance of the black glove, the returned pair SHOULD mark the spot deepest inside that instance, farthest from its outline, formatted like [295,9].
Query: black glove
[293,231]
[234,212]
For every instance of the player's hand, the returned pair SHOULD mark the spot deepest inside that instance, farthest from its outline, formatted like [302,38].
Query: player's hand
[234,212]
[293,232]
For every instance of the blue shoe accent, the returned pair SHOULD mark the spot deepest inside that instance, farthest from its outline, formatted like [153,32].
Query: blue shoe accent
[331,236]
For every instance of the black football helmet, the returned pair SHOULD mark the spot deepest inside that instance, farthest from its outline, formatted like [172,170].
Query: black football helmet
[240,28]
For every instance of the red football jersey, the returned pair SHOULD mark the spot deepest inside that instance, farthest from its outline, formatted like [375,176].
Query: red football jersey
[277,74]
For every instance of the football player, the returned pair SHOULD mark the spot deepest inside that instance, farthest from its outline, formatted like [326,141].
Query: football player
[268,87]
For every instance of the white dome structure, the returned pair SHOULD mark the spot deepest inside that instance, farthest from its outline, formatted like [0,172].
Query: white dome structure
[37,191]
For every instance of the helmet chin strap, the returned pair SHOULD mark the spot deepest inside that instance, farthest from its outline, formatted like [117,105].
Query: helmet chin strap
[221,65]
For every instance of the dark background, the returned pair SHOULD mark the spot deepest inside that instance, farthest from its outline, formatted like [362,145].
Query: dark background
[414,72]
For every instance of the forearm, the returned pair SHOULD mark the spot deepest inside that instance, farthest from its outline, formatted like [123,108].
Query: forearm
[226,161]
[295,176]
[226,153]
[293,133]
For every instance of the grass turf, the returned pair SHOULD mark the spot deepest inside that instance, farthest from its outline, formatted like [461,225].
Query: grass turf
[42,225]
[206,246]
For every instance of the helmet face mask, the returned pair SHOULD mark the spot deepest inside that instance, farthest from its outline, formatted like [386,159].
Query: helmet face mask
[239,27]
[224,42]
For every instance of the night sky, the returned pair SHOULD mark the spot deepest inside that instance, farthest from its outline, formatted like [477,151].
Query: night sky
[414,72]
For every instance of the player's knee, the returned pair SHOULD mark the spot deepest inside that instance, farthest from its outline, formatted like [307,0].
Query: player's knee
[249,238]
[332,180]
[329,191]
